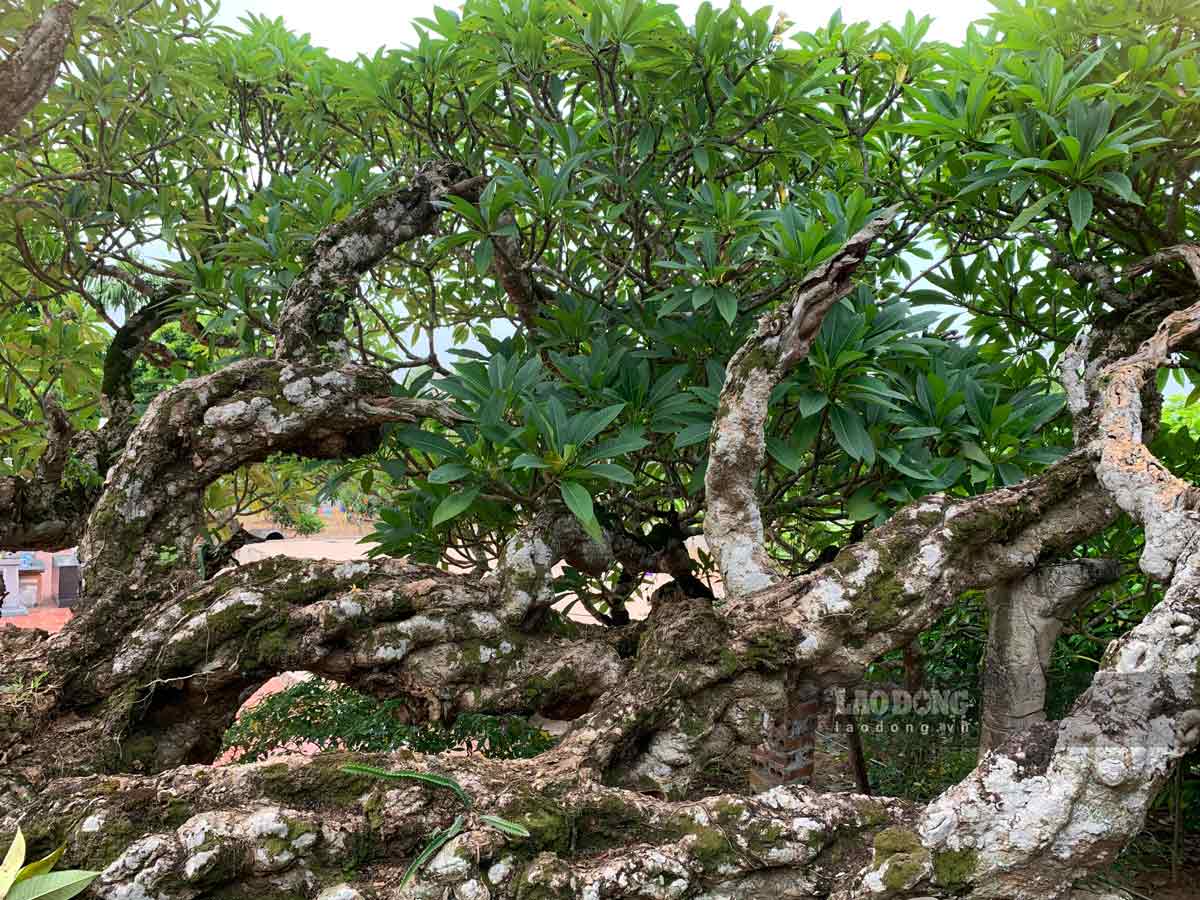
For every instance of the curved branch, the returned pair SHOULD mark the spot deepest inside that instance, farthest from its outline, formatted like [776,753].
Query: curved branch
[270,830]
[878,594]
[510,270]
[524,573]
[737,448]
[128,344]
[143,528]
[1164,504]
[312,322]
[49,510]
[165,692]
[29,71]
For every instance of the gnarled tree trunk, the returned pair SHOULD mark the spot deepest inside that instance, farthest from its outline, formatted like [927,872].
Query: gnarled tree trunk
[645,795]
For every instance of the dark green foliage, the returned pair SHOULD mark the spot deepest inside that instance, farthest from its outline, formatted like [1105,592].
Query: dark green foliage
[337,717]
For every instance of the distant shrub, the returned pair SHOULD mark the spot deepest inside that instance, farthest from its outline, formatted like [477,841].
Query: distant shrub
[335,717]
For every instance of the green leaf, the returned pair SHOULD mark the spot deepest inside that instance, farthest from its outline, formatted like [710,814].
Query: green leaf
[45,864]
[851,434]
[811,403]
[1080,205]
[727,305]
[974,452]
[860,506]
[440,839]
[529,461]
[692,434]
[611,471]
[441,781]
[1034,209]
[917,432]
[13,860]
[426,442]
[784,454]
[579,501]
[586,426]
[1009,473]
[52,885]
[1119,184]
[894,459]
[447,473]
[454,505]
[505,826]
[628,440]
[484,251]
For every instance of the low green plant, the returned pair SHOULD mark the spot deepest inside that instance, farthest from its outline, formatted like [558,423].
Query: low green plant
[336,717]
[36,881]
[443,836]
[21,693]
[302,521]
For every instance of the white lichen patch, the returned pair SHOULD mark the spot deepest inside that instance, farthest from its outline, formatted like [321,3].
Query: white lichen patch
[472,889]
[340,892]
[336,380]
[200,864]
[450,864]
[145,641]
[829,598]
[297,391]
[742,569]
[248,602]
[344,609]
[501,871]
[389,652]
[484,622]
[137,874]
[348,571]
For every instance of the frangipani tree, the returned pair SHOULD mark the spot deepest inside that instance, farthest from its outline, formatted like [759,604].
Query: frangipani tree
[885,320]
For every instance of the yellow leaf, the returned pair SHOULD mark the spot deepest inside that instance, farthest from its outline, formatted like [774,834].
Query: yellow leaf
[12,862]
[263,219]
[901,73]
[882,56]
[43,865]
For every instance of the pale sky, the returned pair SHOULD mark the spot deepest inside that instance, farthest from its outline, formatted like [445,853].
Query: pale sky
[350,27]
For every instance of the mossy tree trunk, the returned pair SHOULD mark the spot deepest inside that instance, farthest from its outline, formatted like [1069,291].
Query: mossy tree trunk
[645,794]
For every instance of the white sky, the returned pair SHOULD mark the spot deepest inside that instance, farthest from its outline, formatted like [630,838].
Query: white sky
[350,27]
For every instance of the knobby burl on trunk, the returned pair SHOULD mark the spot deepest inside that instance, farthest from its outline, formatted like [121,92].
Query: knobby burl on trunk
[641,796]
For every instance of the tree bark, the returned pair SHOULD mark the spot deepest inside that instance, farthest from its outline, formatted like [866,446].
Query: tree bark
[1025,619]
[733,523]
[636,799]
[29,71]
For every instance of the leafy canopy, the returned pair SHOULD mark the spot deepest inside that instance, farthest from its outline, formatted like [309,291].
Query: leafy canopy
[656,186]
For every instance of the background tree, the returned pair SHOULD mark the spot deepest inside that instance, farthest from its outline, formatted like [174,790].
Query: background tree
[888,321]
